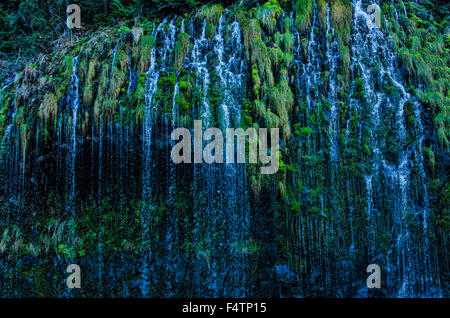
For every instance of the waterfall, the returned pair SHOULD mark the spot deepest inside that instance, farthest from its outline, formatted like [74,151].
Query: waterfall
[203,176]
[99,187]
[311,70]
[233,209]
[220,206]
[74,104]
[371,50]
[5,151]
[332,54]
[7,132]
[151,86]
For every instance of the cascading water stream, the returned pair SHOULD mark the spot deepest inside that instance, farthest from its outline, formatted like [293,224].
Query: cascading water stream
[74,104]
[151,86]
[233,210]
[332,54]
[372,50]
[197,230]
[311,70]
[203,176]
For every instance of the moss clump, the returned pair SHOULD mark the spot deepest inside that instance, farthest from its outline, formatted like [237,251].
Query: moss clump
[304,44]
[430,158]
[303,14]
[256,81]
[322,8]
[260,57]
[181,49]
[117,81]
[276,57]
[67,63]
[101,90]
[271,120]
[88,91]
[288,42]
[122,60]
[287,25]
[145,50]
[109,108]
[341,15]
[260,108]
[251,31]
[282,98]
[345,65]
[137,33]
[210,13]
[48,108]
[268,14]
[210,31]
[359,88]
[139,93]
[407,60]
[3,116]
[25,134]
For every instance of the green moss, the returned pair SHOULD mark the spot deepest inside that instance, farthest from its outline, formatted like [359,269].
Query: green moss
[251,31]
[25,134]
[287,25]
[117,80]
[271,120]
[67,62]
[48,108]
[3,114]
[413,43]
[430,158]
[407,60]
[276,57]
[303,14]
[341,15]
[260,57]
[434,100]
[181,49]
[322,9]
[210,13]
[256,81]
[288,42]
[268,14]
[101,90]
[282,98]
[345,65]
[145,50]
[88,91]
[260,108]
[210,31]
[304,132]
[122,59]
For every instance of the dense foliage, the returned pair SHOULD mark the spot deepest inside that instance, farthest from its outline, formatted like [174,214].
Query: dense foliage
[110,199]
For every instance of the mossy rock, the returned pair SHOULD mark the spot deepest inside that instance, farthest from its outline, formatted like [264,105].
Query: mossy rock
[181,49]
[48,108]
[145,50]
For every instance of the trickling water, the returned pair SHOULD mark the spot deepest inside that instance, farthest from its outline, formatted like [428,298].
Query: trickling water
[151,86]
[74,104]
[311,70]
[8,129]
[234,209]
[332,54]
[211,258]
[371,50]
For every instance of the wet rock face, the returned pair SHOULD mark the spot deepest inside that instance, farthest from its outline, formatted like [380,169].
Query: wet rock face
[87,176]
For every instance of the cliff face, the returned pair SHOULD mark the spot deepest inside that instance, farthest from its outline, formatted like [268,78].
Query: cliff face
[87,177]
